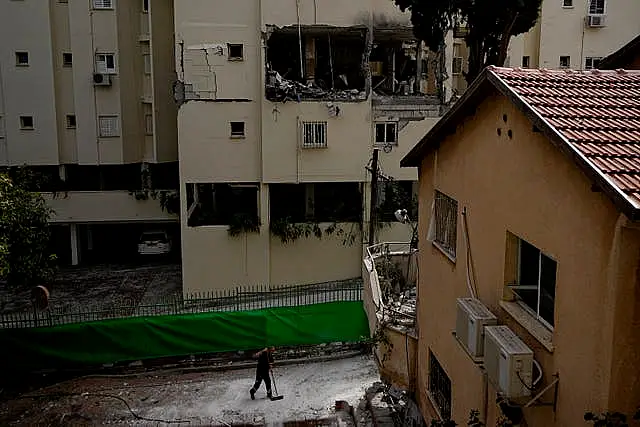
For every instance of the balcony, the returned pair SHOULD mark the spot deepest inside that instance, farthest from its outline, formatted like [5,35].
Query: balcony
[104,206]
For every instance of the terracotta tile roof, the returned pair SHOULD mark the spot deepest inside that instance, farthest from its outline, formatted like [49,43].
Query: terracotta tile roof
[593,117]
[597,112]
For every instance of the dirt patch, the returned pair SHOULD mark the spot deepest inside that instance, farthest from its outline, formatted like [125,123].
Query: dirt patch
[210,398]
[100,287]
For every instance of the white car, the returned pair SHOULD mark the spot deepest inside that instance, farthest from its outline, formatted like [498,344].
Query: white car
[154,243]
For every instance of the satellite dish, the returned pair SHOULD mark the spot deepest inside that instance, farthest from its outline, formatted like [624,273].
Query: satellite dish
[40,297]
[387,148]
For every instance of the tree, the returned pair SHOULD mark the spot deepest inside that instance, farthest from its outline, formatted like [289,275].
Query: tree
[490,23]
[25,255]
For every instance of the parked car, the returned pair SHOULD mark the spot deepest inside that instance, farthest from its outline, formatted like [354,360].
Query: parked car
[155,242]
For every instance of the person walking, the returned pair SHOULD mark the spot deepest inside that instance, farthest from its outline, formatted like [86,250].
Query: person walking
[265,363]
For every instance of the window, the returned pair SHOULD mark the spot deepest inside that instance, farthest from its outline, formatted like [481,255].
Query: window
[535,288]
[387,133]
[592,62]
[445,223]
[220,204]
[1,127]
[108,126]
[567,3]
[71,121]
[314,134]
[439,387]
[103,4]
[237,129]
[597,7]
[565,62]
[236,52]
[148,124]
[26,122]
[457,66]
[63,1]
[526,61]
[147,63]
[145,6]
[105,63]
[22,59]
[67,59]
[316,202]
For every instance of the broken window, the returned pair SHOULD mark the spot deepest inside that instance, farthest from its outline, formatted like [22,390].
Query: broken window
[316,202]
[394,64]
[321,63]
[217,204]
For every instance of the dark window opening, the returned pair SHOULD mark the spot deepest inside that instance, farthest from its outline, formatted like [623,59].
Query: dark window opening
[217,204]
[526,61]
[565,61]
[236,52]
[22,58]
[386,133]
[331,65]
[439,387]
[165,176]
[237,129]
[71,121]
[26,122]
[67,59]
[319,202]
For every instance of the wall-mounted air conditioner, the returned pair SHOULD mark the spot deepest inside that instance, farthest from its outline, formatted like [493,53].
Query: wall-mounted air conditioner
[100,79]
[595,21]
[471,318]
[508,362]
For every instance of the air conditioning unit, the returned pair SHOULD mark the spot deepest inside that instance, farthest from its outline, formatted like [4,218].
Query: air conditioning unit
[100,79]
[508,362]
[471,318]
[595,21]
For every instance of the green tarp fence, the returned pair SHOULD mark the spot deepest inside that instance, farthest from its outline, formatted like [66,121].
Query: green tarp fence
[139,338]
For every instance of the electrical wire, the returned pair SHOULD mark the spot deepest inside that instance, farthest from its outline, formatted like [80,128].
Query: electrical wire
[112,396]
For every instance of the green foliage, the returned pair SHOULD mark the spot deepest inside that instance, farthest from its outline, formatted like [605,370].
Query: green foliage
[610,419]
[25,255]
[243,223]
[490,23]
[289,231]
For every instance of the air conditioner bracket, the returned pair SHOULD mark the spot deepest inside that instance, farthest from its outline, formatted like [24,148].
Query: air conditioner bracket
[553,385]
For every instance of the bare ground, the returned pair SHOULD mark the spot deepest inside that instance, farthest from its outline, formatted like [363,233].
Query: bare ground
[212,398]
[104,286]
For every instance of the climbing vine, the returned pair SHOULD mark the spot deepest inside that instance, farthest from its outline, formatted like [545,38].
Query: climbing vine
[169,199]
[240,223]
[289,231]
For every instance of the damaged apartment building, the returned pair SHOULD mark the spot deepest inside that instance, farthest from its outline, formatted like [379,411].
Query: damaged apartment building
[282,104]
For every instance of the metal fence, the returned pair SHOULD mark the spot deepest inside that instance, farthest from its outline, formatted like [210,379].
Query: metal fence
[238,299]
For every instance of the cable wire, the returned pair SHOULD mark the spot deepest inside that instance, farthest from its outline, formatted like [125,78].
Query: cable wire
[107,395]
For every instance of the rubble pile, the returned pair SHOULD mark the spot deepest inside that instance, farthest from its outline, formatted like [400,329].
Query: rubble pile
[280,89]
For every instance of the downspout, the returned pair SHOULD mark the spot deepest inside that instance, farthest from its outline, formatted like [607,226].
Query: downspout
[300,39]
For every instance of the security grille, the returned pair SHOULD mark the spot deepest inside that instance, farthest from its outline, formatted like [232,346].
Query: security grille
[446,222]
[314,134]
[439,387]
[108,126]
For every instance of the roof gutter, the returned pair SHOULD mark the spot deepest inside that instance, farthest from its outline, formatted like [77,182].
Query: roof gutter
[627,205]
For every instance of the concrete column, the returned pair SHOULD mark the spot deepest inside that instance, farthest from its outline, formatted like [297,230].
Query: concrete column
[75,250]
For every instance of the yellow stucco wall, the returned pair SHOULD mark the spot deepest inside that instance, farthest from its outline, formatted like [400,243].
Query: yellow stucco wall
[526,186]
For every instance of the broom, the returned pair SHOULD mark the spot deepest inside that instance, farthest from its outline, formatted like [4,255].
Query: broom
[276,396]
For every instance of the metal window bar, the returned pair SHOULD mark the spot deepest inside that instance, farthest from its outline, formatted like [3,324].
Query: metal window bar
[240,298]
[446,216]
[439,387]
[314,134]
